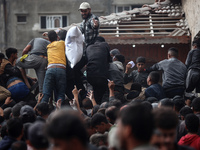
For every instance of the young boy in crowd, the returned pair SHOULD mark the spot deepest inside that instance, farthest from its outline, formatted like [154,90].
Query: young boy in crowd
[140,75]
[55,77]
[154,89]
[191,139]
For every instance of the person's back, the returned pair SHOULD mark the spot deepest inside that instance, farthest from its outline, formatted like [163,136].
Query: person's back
[174,74]
[174,70]
[55,78]
[193,65]
[155,90]
[56,53]
[39,45]
[98,59]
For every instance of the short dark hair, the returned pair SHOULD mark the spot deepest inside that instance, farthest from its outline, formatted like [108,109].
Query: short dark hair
[154,76]
[37,136]
[14,127]
[112,113]
[147,105]
[166,102]
[120,58]
[19,145]
[52,35]
[115,102]
[62,34]
[196,104]
[165,118]
[140,120]
[98,118]
[7,111]
[2,56]
[141,60]
[43,108]
[185,111]
[16,110]
[66,124]
[87,104]
[10,51]
[196,42]
[192,123]
[178,103]
[100,39]
[173,51]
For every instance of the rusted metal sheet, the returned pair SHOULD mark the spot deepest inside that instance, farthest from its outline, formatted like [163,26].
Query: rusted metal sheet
[140,39]
[153,52]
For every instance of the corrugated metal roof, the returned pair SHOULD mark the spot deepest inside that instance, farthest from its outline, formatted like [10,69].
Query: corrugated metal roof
[159,23]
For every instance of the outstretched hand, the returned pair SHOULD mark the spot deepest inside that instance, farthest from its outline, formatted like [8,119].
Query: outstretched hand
[96,23]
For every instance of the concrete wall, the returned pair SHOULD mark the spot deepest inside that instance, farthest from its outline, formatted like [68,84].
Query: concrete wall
[20,34]
[192,11]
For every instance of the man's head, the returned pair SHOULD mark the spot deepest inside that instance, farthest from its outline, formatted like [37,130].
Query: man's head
[196,43]
[42,109]
[15,127]
[120,58]
[62,34]
[1,57]
[52,36]
[114,52]
[16,110]
[85,10]
[178,104]
[166,102]
[192,123]
[196,105]
[135,125]
[27,114]
[6,112]
[185,111]
[11,53]
[153,78]
[66,129]
[166,121]
[36,135]
[111,114]
[99,122]
[172,52]
[140,63]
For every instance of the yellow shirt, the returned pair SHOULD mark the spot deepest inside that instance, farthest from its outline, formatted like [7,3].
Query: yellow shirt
[56,53]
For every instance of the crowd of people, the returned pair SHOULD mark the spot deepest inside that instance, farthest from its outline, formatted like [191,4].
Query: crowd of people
[87,107]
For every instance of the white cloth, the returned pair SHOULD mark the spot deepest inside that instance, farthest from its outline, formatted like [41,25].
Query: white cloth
[74,45]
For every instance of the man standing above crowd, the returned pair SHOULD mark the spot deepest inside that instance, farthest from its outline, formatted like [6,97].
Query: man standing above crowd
[174,74]
[36,59]
[90,25]
[193,65]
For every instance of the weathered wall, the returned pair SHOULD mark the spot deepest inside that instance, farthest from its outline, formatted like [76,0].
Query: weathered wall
[20,34]
[192,11]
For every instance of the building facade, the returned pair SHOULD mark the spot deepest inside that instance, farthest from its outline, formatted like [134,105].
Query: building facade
[22,20]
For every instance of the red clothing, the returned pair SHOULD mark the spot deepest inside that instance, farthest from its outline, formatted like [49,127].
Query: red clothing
[192,140]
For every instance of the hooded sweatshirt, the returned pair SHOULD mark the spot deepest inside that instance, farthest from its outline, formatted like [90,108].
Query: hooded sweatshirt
[192,140]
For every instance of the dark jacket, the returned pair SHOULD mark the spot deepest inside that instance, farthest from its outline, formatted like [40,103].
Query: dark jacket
[7,70]
[155,90]
[193,59]
[136,76]
[98,58]
[6,143]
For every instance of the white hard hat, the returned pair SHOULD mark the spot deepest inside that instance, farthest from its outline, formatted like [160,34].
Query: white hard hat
[84,5]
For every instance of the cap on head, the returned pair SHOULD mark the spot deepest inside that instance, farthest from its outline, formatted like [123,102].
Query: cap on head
[84,5]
